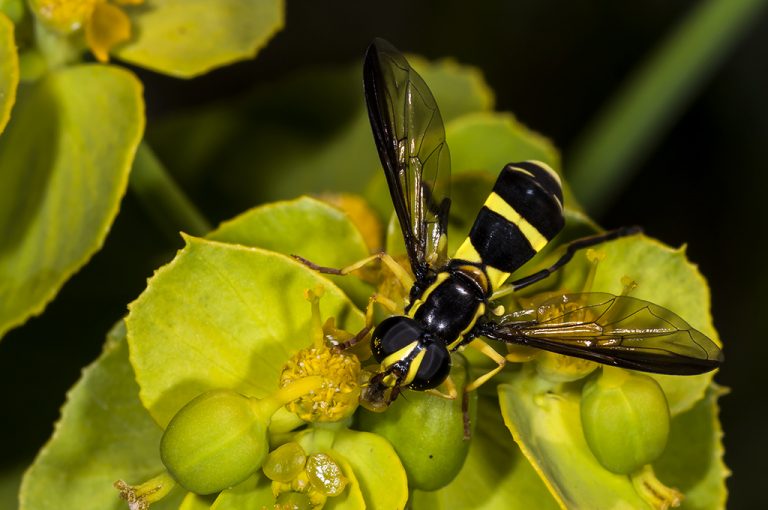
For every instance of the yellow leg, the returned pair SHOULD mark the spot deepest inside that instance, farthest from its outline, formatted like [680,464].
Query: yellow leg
[504,290]
[500,360]
[450,390]
[388,304]
[489,351]
[399,271]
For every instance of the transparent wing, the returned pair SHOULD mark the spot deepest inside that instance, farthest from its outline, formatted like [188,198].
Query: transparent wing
[410,138]
[615,330]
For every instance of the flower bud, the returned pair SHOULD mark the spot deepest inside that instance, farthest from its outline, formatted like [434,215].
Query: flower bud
[625,417]
[214,442]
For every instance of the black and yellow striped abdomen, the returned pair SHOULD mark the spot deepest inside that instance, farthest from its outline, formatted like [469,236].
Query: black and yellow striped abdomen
[522,214]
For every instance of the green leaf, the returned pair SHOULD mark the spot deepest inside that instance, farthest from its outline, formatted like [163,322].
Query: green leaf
[374,463]
[488,141]
[546,424]
[459,89]
[223,316]
[13,9]
[253,494]
[665,277]
[194,501]
[693,460]
[104,434]
[495,476]
[186,38]
[10,481]
[9,70]
[64,163]
[483,143]
[308,227]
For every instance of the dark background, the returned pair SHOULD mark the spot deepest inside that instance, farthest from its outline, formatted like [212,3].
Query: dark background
[554,64]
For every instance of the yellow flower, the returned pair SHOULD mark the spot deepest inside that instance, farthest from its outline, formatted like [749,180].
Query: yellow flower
[105,24]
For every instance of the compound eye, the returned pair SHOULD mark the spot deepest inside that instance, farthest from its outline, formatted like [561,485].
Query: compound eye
[433,368]
[393,334]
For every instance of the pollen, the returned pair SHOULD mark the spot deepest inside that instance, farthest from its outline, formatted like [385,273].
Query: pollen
[338,397]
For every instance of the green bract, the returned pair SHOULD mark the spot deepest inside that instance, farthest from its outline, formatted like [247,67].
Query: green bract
[230,316]
[503,138]
[664,276]
[189,37]
[72,134]
[625,417]
[9,70]
[319,232]
[104,434]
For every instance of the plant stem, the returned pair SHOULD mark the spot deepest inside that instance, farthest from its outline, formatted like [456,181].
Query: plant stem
[162,198]
[602,160]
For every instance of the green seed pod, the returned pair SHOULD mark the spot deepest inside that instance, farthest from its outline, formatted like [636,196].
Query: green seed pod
[625,417]
[214,442]
[427,432]
[285,463]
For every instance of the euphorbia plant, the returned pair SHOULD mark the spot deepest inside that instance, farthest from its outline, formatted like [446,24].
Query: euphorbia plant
[219,325]
[229,315]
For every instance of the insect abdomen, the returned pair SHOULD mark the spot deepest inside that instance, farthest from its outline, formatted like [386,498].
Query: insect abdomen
[522,214]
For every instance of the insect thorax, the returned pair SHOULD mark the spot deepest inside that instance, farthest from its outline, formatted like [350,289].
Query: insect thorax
[450,306]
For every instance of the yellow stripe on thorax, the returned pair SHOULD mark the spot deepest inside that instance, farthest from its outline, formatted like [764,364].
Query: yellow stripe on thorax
[441,277]
[479,313]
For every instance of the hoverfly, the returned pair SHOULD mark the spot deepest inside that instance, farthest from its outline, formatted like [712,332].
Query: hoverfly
[450,298]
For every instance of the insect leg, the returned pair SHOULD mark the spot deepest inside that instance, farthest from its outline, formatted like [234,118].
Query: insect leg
[399,271]
[451,393]
[500,360]
[388,304]
[489,351]
[571,249]
[450,390]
